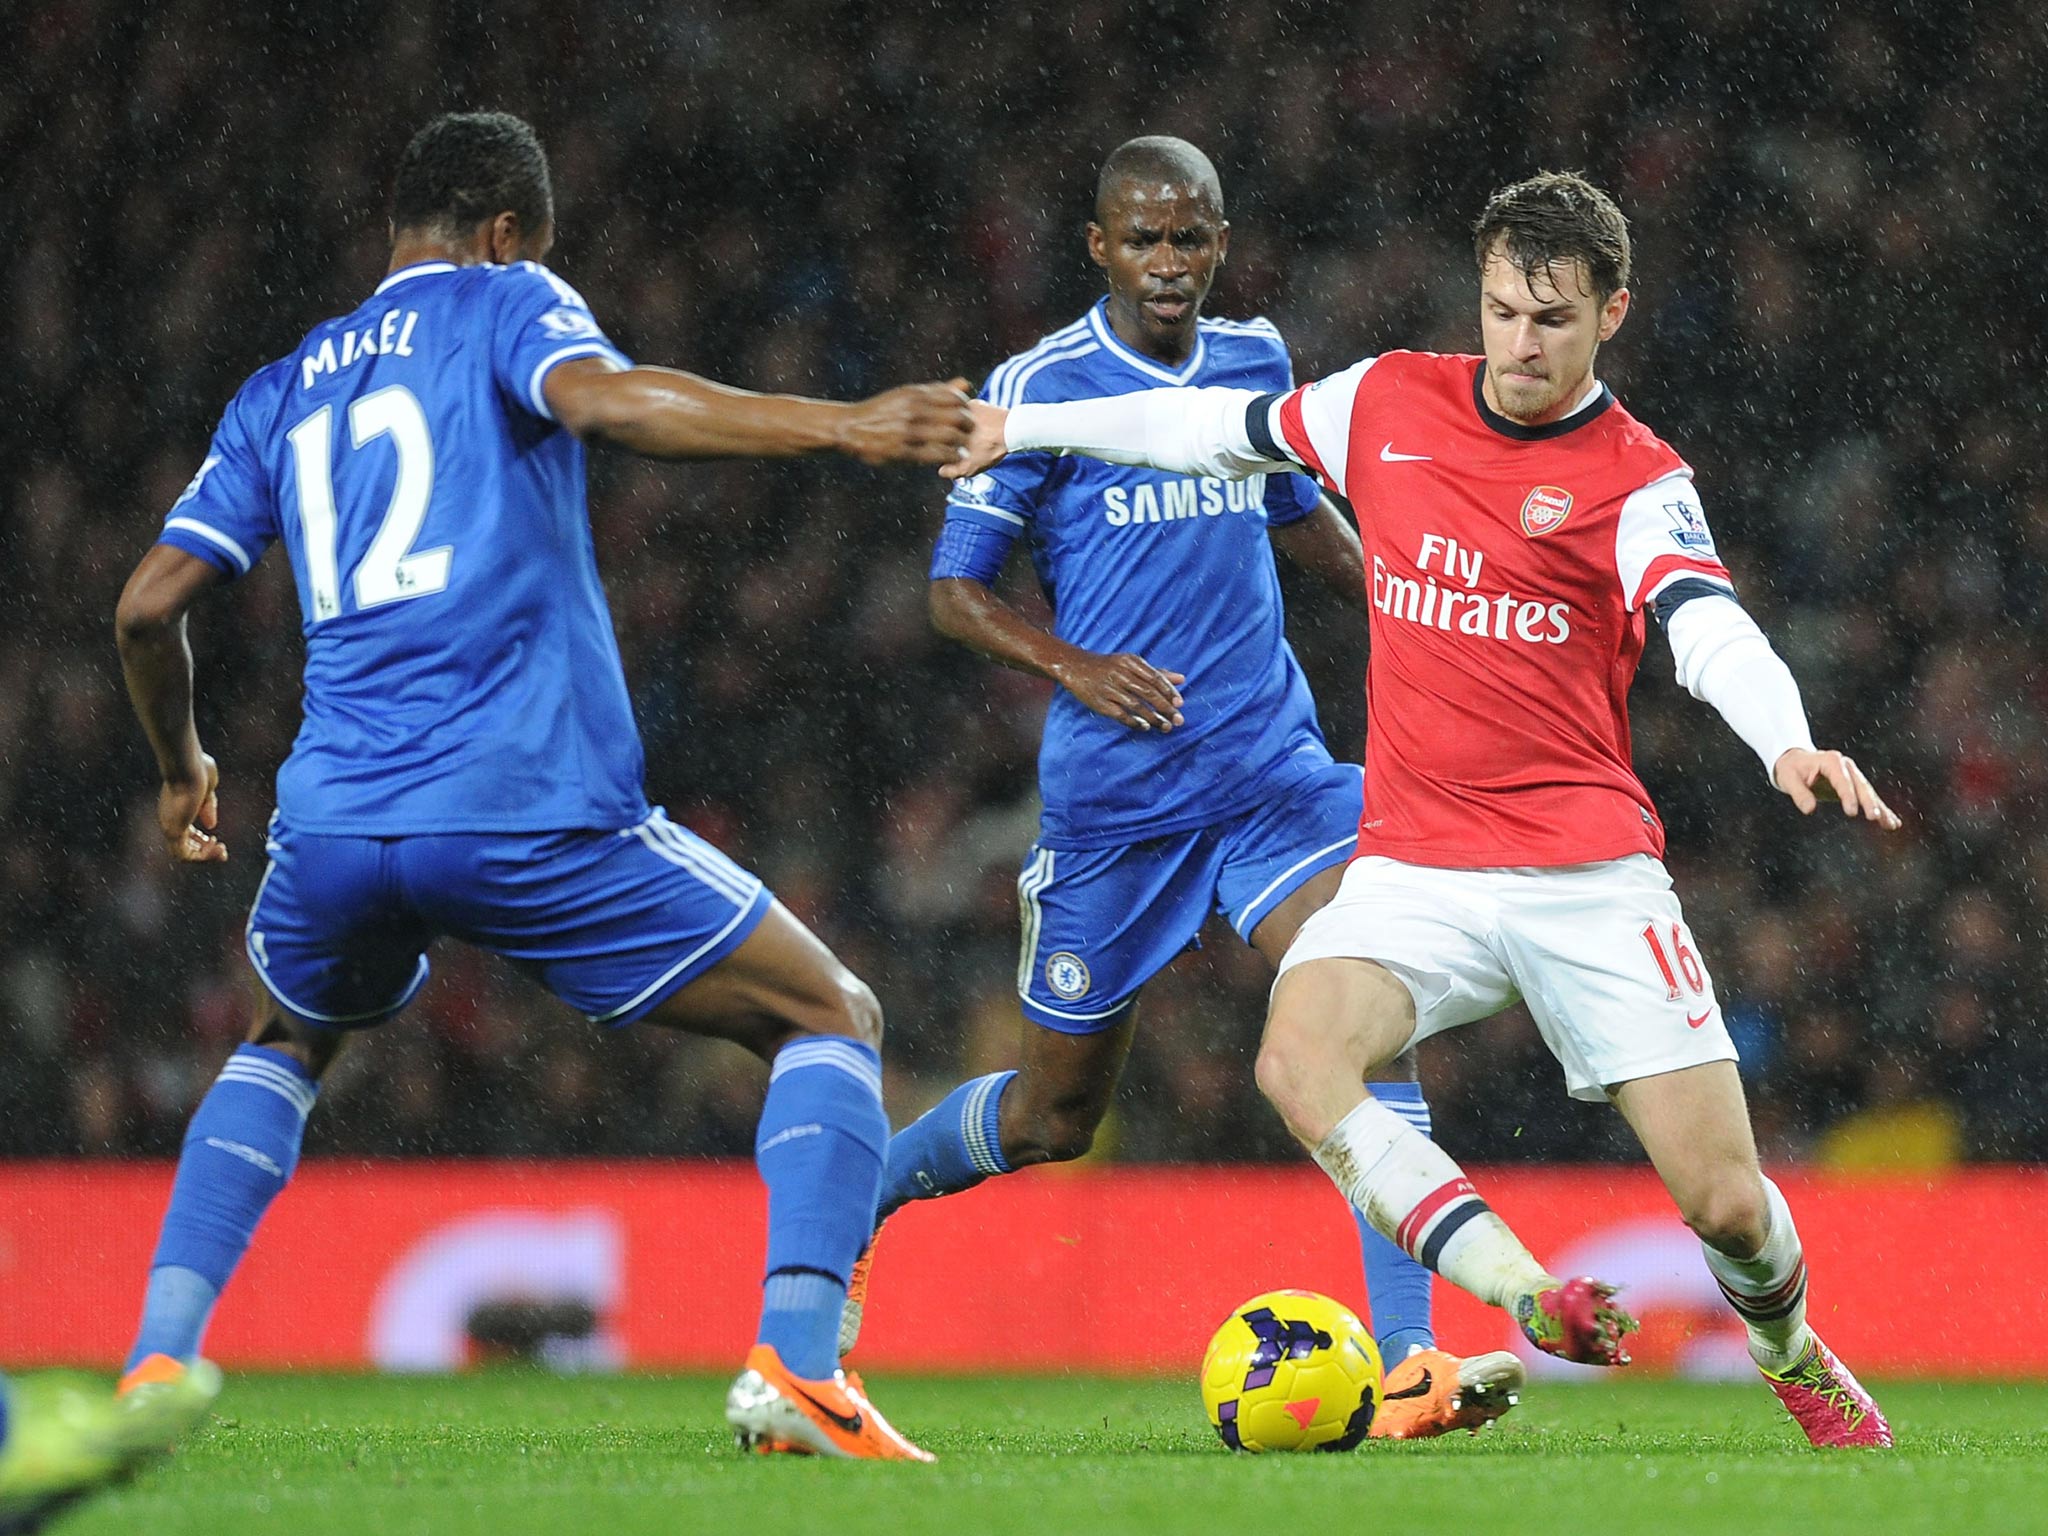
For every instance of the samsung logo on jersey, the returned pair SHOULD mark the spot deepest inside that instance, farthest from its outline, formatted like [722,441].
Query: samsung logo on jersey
[1502,616]
[1173,500]
[393,335]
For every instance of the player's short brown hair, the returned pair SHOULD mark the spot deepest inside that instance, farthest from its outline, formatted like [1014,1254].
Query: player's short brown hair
[1556,216]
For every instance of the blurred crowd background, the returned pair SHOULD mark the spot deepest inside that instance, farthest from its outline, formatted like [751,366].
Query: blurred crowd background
[1840,320]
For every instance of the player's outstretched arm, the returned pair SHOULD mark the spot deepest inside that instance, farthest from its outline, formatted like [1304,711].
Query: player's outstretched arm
[1327,546]
[1810,776]
[667,414]
[149,627]
[1182,431]
[1724,660]
[1125,688]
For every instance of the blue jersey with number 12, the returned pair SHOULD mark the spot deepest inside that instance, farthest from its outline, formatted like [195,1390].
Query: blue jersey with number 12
[461,670]
[1176,569]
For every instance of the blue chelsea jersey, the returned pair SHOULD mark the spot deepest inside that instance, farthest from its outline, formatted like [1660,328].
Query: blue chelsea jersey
[1176,569]
[461,670]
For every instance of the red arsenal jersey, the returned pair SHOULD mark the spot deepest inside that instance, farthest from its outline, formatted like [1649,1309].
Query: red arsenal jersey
[1510,568]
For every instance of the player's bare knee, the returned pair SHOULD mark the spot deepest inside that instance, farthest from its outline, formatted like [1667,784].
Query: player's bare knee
[1047,1120]
[1271,1070]
[1286,1068]
[854,1011]
[1729,1215]
[1069,1139]
[1050,1136]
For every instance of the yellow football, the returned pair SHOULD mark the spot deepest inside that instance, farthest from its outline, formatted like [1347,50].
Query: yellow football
[1292,1371]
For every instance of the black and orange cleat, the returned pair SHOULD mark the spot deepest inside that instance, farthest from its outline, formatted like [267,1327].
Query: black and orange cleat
[773,1412]
[151,1371]
[856,1297]
[1433,1392]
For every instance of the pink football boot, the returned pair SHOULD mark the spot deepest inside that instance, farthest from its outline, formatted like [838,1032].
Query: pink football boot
[1576,1320]
[1827,1402]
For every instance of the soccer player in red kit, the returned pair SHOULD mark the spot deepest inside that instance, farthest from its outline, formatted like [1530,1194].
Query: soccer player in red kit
[1519,525]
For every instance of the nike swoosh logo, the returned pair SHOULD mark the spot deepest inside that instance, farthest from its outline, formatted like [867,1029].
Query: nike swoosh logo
[1695,1023]
[1420,1389]
[1388,456]
[851,1423]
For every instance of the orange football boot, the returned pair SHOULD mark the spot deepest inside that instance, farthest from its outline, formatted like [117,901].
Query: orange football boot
[772,1411]
[856,1297]
[151,1371]
[1433,1393]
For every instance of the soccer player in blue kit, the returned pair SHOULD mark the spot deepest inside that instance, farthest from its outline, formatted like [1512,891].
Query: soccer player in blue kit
[1183,770]
[469,766]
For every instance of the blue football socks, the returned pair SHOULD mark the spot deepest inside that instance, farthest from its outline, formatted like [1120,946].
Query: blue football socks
[819,1147]
[240,1150]
[953,1146]
[800,1317]
[1397,1287]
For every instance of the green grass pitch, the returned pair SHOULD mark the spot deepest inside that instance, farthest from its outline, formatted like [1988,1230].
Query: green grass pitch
[514,1451]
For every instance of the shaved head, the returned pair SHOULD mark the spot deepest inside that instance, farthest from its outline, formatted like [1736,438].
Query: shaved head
[1156,160]
[1159,235]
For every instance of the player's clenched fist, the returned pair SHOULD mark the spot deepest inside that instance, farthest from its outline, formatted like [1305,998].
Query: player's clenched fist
[911,424]
[1125,688]
[1810,777]
[187,812]
[985,443]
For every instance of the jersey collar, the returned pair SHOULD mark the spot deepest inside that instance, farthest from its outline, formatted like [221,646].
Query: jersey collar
[417,269]
[1594,404]
[1098,321]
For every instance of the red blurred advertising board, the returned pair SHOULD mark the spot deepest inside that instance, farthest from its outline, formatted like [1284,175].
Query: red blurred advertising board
[1124,1269]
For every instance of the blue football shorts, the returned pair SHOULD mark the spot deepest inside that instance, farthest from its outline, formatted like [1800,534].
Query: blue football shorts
[610,922]
[1101,922]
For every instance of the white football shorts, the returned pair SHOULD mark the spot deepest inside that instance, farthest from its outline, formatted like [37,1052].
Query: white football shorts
[1599,952]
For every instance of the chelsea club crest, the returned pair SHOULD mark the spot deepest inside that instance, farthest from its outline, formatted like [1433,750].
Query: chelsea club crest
[1067,974]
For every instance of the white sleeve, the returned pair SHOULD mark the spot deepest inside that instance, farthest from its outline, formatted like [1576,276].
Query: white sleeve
[1724,660]
[1186,431]
[1313,424]
[1662,537]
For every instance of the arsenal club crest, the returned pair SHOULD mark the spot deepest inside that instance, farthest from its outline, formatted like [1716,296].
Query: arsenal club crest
[1546,508]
